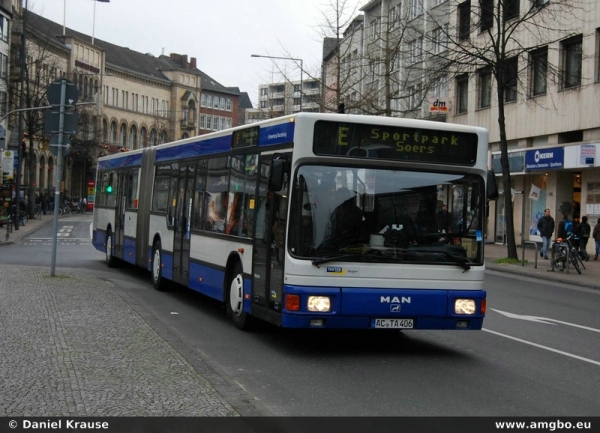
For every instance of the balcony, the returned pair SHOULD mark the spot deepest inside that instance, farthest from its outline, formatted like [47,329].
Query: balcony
[188,124]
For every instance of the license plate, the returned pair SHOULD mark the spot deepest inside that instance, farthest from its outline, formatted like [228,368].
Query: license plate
[393,323]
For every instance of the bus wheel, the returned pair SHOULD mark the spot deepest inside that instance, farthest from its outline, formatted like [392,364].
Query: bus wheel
[235,302]
[157,279]
[111,260]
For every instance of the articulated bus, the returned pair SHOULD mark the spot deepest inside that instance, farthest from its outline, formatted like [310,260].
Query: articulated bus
[310,221]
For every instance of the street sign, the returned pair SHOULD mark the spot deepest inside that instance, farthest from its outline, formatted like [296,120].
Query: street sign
[70,122]
[54,89]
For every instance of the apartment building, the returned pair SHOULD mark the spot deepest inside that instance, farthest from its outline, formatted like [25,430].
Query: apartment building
[553,129]
[135,100]
[288,97]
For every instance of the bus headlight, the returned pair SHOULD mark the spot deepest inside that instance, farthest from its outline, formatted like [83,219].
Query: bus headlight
[464,306]
[319,303]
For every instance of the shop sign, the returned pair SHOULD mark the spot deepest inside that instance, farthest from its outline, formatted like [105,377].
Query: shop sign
[587,154]
[545,159]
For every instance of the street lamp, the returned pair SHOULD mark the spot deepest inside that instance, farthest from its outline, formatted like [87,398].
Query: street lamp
[287,58]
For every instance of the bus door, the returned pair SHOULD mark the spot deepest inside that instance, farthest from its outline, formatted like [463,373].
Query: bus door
[183,217]
[119,229]
[269,244]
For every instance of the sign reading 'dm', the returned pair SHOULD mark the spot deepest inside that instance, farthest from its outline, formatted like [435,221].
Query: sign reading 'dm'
[545,159]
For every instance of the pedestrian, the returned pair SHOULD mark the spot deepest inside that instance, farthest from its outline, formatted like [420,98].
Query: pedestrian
[596,236]
[546,227]
[44,204]
[583,232]
[565,227]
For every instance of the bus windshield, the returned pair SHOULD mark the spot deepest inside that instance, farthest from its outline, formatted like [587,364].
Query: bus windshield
[386,215]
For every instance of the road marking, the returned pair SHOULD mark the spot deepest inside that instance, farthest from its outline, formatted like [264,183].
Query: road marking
[560,352]
[545,320]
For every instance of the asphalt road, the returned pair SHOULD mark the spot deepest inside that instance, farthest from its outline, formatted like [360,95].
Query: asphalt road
[537,355]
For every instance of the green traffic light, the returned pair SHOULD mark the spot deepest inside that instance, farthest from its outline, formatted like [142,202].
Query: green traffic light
[109,189]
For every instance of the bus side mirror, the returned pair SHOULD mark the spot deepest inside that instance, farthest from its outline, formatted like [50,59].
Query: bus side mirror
[277,175]
[491,187]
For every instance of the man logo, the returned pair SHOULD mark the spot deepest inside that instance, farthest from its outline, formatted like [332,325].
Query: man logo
[395,308]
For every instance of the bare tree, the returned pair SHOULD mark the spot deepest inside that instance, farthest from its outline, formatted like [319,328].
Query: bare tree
[496,41]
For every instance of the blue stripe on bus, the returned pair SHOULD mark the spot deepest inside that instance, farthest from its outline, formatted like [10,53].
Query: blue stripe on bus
[129,250]
[197,148]
[207,280]
[431,309]
[99,239]
[167,265]
[277,134]
[124,161]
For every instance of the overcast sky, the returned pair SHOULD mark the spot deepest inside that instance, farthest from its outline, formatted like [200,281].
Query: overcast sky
[220,34]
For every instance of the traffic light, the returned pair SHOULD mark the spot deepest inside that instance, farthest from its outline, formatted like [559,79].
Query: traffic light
[109,189]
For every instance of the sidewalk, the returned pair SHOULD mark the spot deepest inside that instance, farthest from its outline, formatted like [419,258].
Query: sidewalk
[590,277]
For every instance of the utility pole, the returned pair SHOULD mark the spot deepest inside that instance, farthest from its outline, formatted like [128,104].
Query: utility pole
[23,67]
[62,95]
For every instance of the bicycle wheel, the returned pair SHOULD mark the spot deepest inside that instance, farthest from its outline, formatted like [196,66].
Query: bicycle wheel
[575,259]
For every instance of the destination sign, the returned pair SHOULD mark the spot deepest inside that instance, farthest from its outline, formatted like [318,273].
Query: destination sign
[245,137]
[395,143]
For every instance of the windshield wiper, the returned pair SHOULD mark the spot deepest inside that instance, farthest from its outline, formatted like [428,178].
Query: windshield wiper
[460,260]
[322,260]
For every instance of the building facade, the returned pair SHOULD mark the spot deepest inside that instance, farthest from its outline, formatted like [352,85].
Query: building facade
[132,100]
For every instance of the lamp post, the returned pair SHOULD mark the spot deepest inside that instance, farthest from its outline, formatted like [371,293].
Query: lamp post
[287,58]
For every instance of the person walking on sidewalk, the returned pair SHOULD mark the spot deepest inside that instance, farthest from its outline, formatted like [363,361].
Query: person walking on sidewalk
[546,228]
[596,236]
[583,232]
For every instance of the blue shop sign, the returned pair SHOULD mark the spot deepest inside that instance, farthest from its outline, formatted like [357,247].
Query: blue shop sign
[545,159]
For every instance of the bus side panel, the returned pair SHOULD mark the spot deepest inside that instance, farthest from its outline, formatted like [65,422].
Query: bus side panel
[103,218]
[99,239]
[207,279]
[129,245]
[356,307]
[146,186]
[158,229]
[129,236]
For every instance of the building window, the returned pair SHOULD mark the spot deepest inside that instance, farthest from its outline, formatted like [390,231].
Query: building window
[487,14]
[598,54]
[415,9]
[216,102]
[485,88]
[510,80]
[3,28]
[539,71]
[3,66]
[511,9]
[439,37]
[203,100]
[209,122]
[3,102]
[209,101]
[464,20]
[223,103]
[571,61]
[202,121]
[462,93]
[415,50]
[264,91]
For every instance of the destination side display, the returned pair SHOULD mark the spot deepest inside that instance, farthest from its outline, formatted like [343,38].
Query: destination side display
[396,143]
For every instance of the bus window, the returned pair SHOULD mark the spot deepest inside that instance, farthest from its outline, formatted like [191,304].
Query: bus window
[162,182]
[199,196]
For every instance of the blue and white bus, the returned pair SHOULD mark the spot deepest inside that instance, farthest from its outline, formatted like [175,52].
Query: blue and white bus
[310,221]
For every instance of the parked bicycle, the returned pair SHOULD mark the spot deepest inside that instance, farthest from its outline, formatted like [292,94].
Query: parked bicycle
[564,254]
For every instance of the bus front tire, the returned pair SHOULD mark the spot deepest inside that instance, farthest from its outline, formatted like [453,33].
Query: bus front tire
[157,279]
[111,260]
[235,300]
